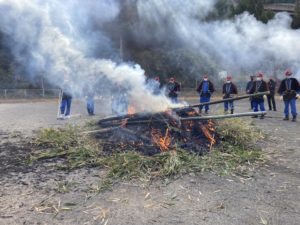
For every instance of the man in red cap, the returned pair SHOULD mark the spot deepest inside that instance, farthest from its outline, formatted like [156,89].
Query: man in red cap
[289,90]
[259,86]
[205,89]
[229,89]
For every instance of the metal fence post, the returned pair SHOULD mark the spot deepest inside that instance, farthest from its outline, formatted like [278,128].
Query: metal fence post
[5,93]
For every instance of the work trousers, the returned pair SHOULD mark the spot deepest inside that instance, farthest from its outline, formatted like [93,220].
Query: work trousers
[174,99]
[65,106]
[90,105]
[228,104]
[271,101]
[204,100]
[258,103]
[290,104]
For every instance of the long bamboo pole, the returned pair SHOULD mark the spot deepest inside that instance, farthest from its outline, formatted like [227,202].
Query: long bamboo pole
[218,117]
[184,107]
[224,100]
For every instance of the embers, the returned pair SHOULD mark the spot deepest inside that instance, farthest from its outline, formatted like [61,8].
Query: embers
[161,141]
[154,133]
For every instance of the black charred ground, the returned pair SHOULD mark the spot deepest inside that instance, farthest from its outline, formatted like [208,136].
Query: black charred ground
[154,133]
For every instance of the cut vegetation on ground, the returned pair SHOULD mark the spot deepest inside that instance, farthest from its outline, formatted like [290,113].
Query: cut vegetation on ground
[237,152]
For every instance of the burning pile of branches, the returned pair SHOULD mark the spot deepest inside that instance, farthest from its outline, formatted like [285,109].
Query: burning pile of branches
[160,132]
[152,133]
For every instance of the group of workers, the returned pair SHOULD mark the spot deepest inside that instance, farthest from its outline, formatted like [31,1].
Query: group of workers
[289,90]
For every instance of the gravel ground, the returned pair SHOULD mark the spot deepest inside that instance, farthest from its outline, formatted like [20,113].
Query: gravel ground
[270,196]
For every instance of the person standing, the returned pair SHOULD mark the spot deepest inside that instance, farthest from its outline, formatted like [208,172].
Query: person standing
[66,101]
[119,101]
[258,101]
[90,95]
[156,86]
[205,90]
[229,89]
[173,89]
[289,90]
[271,96]
[248,88]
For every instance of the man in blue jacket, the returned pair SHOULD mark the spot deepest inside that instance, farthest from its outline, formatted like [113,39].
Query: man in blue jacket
[205,90]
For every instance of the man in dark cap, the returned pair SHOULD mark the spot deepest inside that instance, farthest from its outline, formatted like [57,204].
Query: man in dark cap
[271,96]
[248,88]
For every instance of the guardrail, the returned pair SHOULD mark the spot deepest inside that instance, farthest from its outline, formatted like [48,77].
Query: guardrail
[54,93]
[281,7]
[28,93]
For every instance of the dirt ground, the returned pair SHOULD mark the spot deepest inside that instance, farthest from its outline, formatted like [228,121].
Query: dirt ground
[40,195]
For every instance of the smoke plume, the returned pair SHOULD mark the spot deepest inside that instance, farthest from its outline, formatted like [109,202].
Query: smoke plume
[240,44]
[68,41]
[58,37]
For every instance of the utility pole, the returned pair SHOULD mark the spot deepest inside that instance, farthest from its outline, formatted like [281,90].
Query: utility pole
[43,87]
[121,48]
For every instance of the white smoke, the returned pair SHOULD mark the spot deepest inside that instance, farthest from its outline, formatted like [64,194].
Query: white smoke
[56,37]
[59,39]
[241,44]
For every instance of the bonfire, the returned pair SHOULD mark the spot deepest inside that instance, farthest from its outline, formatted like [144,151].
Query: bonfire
[152,133]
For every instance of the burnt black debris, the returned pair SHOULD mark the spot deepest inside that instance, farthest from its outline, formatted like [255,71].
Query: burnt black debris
[154,133]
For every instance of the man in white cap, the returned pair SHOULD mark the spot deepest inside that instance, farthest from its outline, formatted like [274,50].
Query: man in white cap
[258,101]
[229,89]
[205,90]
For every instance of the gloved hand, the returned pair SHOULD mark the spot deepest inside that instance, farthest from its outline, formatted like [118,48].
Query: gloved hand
[281,97]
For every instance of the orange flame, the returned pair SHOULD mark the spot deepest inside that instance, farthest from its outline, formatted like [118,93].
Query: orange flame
[207,130]
[163,142]
[131,110]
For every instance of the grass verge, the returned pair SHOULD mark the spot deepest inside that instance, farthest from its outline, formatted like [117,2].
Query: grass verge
[236,153]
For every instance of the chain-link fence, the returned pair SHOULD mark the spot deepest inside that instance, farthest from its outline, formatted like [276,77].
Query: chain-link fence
[54,93]
[28,93]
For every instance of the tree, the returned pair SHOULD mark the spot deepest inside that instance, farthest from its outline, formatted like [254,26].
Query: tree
[296,19]
[254,7]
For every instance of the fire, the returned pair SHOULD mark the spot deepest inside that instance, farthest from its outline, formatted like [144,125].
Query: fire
[131,110]
[208,131]
[163,142]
